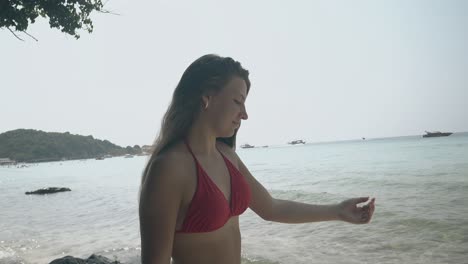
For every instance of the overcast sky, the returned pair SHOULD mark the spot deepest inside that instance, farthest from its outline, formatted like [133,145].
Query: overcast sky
[320,70]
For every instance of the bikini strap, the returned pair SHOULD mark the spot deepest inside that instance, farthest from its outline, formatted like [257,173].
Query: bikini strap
[191,152]
[196,160]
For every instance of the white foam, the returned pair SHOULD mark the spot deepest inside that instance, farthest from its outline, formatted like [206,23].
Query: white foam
[6,252]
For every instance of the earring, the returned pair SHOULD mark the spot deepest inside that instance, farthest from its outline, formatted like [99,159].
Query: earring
[206,105]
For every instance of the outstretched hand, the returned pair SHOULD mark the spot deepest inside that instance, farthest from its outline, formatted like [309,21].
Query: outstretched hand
[350,210]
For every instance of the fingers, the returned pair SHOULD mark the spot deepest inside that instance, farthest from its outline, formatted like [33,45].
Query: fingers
[360,200]
[365,218]
[368,211]
[360,214]
[372,208]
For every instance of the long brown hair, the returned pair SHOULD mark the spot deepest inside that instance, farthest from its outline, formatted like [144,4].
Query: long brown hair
[208,74]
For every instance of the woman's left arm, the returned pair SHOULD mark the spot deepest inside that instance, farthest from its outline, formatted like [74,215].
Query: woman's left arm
[284,211]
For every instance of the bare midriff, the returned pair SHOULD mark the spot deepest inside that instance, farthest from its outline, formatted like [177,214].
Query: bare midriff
[220,246]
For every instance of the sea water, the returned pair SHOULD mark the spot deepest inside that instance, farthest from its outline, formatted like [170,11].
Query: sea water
[420,185]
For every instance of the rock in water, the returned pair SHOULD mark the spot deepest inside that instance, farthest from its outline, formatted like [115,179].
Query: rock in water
[49,190]
[93,259]
[68,260]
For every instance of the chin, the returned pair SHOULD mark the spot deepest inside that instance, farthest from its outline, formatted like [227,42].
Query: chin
[228,133]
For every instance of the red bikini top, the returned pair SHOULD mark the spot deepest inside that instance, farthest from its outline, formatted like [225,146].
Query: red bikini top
[209,209]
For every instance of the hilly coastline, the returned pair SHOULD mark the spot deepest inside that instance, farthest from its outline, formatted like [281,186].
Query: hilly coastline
[29,145]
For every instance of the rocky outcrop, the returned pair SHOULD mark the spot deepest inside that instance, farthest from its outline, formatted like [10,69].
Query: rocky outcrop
[49,190]
[93,259]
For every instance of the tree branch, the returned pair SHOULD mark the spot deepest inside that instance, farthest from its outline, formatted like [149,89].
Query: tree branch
[108,12]
[14,34]
[31,36]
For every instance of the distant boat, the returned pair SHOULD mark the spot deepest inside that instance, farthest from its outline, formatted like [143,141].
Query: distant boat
[100,158]
[127,156]
[299,141]
[437,134]
[245,146]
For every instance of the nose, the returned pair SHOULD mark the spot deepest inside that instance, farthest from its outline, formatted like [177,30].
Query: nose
[244,115]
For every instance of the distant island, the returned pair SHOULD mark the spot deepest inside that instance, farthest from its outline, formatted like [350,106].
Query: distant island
[29,145]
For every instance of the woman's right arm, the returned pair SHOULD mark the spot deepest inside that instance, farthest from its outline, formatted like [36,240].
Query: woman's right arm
[160,200]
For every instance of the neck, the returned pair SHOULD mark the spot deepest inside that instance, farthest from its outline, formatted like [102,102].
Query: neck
[201,139]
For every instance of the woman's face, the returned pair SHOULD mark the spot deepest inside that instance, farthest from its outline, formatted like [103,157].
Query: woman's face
[227,108]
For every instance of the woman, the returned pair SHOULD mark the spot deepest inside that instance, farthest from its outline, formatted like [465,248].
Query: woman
[194,186]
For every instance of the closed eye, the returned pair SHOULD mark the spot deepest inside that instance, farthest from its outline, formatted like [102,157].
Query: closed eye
[237,102]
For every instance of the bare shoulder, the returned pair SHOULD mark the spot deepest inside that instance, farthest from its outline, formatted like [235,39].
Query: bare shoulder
[168,168]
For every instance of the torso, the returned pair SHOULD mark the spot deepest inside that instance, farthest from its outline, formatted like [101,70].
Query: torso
[222,245]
